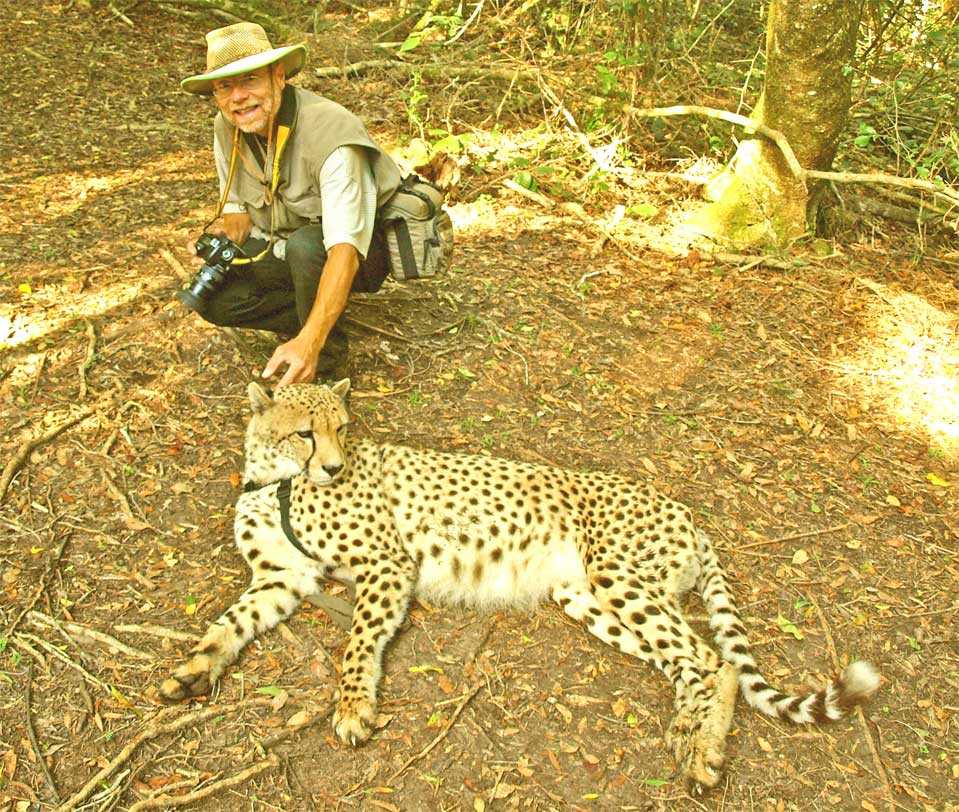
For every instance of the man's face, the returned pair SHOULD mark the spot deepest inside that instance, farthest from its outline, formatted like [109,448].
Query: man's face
[250,100]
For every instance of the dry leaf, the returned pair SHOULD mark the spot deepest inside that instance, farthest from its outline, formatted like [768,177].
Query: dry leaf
[299,718]
[9,763]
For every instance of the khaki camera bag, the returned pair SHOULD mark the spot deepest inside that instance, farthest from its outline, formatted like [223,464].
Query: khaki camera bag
[419,232]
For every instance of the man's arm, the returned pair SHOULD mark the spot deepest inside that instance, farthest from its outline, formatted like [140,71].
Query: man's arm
[348,189]
[302,352]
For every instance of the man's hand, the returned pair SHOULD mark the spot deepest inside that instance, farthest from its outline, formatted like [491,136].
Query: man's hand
[300,354]
[235,227]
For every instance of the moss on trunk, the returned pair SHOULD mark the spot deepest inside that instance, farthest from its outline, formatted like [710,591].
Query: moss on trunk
[809,46]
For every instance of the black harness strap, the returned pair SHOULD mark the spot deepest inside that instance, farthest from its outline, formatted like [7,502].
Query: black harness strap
[283,495]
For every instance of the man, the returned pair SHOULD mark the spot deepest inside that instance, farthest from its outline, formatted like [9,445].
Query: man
[309,226]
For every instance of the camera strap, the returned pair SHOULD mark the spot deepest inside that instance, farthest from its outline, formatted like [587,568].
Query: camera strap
[282,136]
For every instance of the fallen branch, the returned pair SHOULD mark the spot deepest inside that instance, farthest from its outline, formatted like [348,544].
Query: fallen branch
[16,462]
[750,261]
[27,696]
[40,589]
[793,537]
[802,175]
[75,630]
[444,70]
[536,197]
[155,727]
[731,118]
[929,186]
[441,735]
[229,10]
[168,801]
[157,631]
[182,273]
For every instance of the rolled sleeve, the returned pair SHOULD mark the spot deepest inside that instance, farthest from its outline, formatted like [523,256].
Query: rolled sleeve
[348,190]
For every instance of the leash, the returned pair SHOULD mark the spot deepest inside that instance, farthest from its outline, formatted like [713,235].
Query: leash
[283,496]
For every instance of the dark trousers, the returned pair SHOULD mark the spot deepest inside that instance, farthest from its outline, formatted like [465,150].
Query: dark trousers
[274,294]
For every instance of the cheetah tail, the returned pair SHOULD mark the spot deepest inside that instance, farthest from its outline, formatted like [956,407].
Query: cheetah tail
[854,686]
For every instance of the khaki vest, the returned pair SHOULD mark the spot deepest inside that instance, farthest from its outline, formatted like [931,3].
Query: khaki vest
[318,126]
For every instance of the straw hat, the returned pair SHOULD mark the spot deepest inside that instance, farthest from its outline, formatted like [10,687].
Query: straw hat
[241,48]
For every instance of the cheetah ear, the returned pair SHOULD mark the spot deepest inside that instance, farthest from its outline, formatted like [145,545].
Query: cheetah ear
[340,388]
[260,399]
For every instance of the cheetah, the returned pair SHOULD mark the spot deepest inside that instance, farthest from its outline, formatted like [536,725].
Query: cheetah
[400,523]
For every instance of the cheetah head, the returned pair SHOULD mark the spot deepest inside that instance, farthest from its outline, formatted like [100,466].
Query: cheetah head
[301,429]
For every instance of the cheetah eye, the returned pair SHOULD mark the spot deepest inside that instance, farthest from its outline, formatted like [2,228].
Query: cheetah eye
[305,434]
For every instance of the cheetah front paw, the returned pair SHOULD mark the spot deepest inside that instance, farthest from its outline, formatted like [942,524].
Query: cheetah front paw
[192,679]
[353,720]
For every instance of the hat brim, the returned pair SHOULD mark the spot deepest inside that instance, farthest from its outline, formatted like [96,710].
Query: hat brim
[293,58]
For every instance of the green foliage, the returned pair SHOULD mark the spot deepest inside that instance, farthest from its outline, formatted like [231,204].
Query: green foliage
[906,83]
[433,27]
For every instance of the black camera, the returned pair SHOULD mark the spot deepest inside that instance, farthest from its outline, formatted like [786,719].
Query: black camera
[218,254]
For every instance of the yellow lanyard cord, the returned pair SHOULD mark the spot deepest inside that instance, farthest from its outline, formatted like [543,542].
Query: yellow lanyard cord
[282,135]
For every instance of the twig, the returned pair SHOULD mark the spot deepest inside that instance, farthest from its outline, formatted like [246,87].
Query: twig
[52,649]
[793,537]
[876,761]
[374,329]
[802,175]
[467,24]
[14,464]
[88,360]
[284,734]
[155,727]
[181,272]
[27,696]
[543,201]
[118,495]
[121,16]
[40,588]
[157,631]
[732,118]
[481,641]
[441,735]
[747,261]
[164,801]
[75,629]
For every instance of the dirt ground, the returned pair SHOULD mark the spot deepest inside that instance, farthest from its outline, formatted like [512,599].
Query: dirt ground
[808,414]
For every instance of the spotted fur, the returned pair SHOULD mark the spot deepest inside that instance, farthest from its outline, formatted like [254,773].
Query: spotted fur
[486,532]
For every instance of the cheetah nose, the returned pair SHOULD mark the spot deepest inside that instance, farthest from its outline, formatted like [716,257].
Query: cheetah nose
[332,470]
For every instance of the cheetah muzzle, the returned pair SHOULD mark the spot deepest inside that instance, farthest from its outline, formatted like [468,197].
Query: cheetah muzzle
[399,523]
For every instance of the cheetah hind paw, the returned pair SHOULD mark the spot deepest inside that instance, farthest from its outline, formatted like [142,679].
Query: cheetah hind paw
[353,721]
[697,735]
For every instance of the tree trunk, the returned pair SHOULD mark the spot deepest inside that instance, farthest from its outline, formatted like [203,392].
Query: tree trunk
[810,45]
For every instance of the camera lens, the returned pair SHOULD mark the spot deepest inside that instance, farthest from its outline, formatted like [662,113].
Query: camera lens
[218,252]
